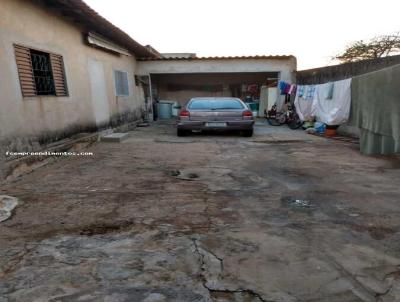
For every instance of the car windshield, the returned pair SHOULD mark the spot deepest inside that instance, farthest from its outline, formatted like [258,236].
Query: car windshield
[215,104]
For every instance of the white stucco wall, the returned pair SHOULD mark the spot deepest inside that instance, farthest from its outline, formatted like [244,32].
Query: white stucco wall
[286,67]
[28,24]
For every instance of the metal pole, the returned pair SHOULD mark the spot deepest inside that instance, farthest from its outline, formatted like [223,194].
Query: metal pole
[151,90]
[151,96]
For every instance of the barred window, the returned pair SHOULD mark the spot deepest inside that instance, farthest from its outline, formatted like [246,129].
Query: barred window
[121,83]
[40,73]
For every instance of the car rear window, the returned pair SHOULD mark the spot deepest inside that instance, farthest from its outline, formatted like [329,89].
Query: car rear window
[215,104]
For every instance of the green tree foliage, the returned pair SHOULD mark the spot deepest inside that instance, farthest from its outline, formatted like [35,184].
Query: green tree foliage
[380,46]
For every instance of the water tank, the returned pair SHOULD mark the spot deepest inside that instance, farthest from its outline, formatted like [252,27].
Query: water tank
[164,109]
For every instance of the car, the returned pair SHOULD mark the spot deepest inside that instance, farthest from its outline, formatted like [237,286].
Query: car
[215,113]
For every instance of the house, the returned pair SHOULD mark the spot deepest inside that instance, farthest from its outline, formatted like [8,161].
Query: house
[65,70]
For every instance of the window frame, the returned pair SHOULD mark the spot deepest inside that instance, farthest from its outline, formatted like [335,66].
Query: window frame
[49,73]
[199,100]
[127,83]
[23,60]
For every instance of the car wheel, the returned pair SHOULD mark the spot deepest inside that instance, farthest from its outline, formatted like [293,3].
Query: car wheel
[248,133]
[181,132]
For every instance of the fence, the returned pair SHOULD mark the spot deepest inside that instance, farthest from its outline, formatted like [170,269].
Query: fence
[344,71]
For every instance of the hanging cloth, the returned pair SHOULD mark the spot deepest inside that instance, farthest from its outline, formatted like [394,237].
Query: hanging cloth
[375,109]
[334,110]
[303,105]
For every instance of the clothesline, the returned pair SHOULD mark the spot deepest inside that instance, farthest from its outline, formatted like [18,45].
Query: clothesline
[328,103]
[369,102]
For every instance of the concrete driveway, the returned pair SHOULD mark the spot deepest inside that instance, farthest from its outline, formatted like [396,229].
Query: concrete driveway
[281,216]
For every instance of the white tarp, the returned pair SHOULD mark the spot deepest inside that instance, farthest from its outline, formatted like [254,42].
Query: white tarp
[329,103]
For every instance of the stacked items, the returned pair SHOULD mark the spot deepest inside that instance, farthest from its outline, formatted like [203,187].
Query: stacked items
[252,96]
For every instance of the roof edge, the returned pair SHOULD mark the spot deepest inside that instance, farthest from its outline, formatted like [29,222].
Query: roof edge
[93,22]
[261,57]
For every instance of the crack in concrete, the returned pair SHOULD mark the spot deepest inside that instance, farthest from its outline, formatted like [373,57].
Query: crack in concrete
[221,260]
[247,291]
[379,296]
[390,274]
[198,250]
[361,290]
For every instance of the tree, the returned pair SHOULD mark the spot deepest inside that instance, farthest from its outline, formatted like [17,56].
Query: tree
[380,46]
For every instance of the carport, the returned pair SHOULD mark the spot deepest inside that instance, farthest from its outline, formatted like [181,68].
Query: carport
[179,79]
[181,87]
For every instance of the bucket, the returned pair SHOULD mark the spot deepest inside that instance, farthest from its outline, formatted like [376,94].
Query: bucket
[329,132]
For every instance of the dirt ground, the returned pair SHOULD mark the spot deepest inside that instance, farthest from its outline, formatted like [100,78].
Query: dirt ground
[282,216]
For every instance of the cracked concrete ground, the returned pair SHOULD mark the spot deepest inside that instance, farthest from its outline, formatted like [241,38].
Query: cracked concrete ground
[281,216]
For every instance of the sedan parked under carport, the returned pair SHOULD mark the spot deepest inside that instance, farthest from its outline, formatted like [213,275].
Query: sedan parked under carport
[217,114]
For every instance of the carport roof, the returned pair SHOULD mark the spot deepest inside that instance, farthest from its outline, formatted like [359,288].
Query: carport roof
[81,13]
[277,57]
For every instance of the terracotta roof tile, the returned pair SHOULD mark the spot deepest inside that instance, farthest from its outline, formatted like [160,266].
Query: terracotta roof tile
[282,57]
[92,21]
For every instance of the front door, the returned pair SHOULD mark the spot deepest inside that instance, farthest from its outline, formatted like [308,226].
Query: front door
[100,105]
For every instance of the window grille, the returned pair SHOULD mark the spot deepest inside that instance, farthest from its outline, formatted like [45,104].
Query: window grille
[40,73]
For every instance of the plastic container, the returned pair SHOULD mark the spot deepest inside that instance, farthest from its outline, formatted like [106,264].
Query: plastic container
[320,127]
[254,106]
[164,109]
